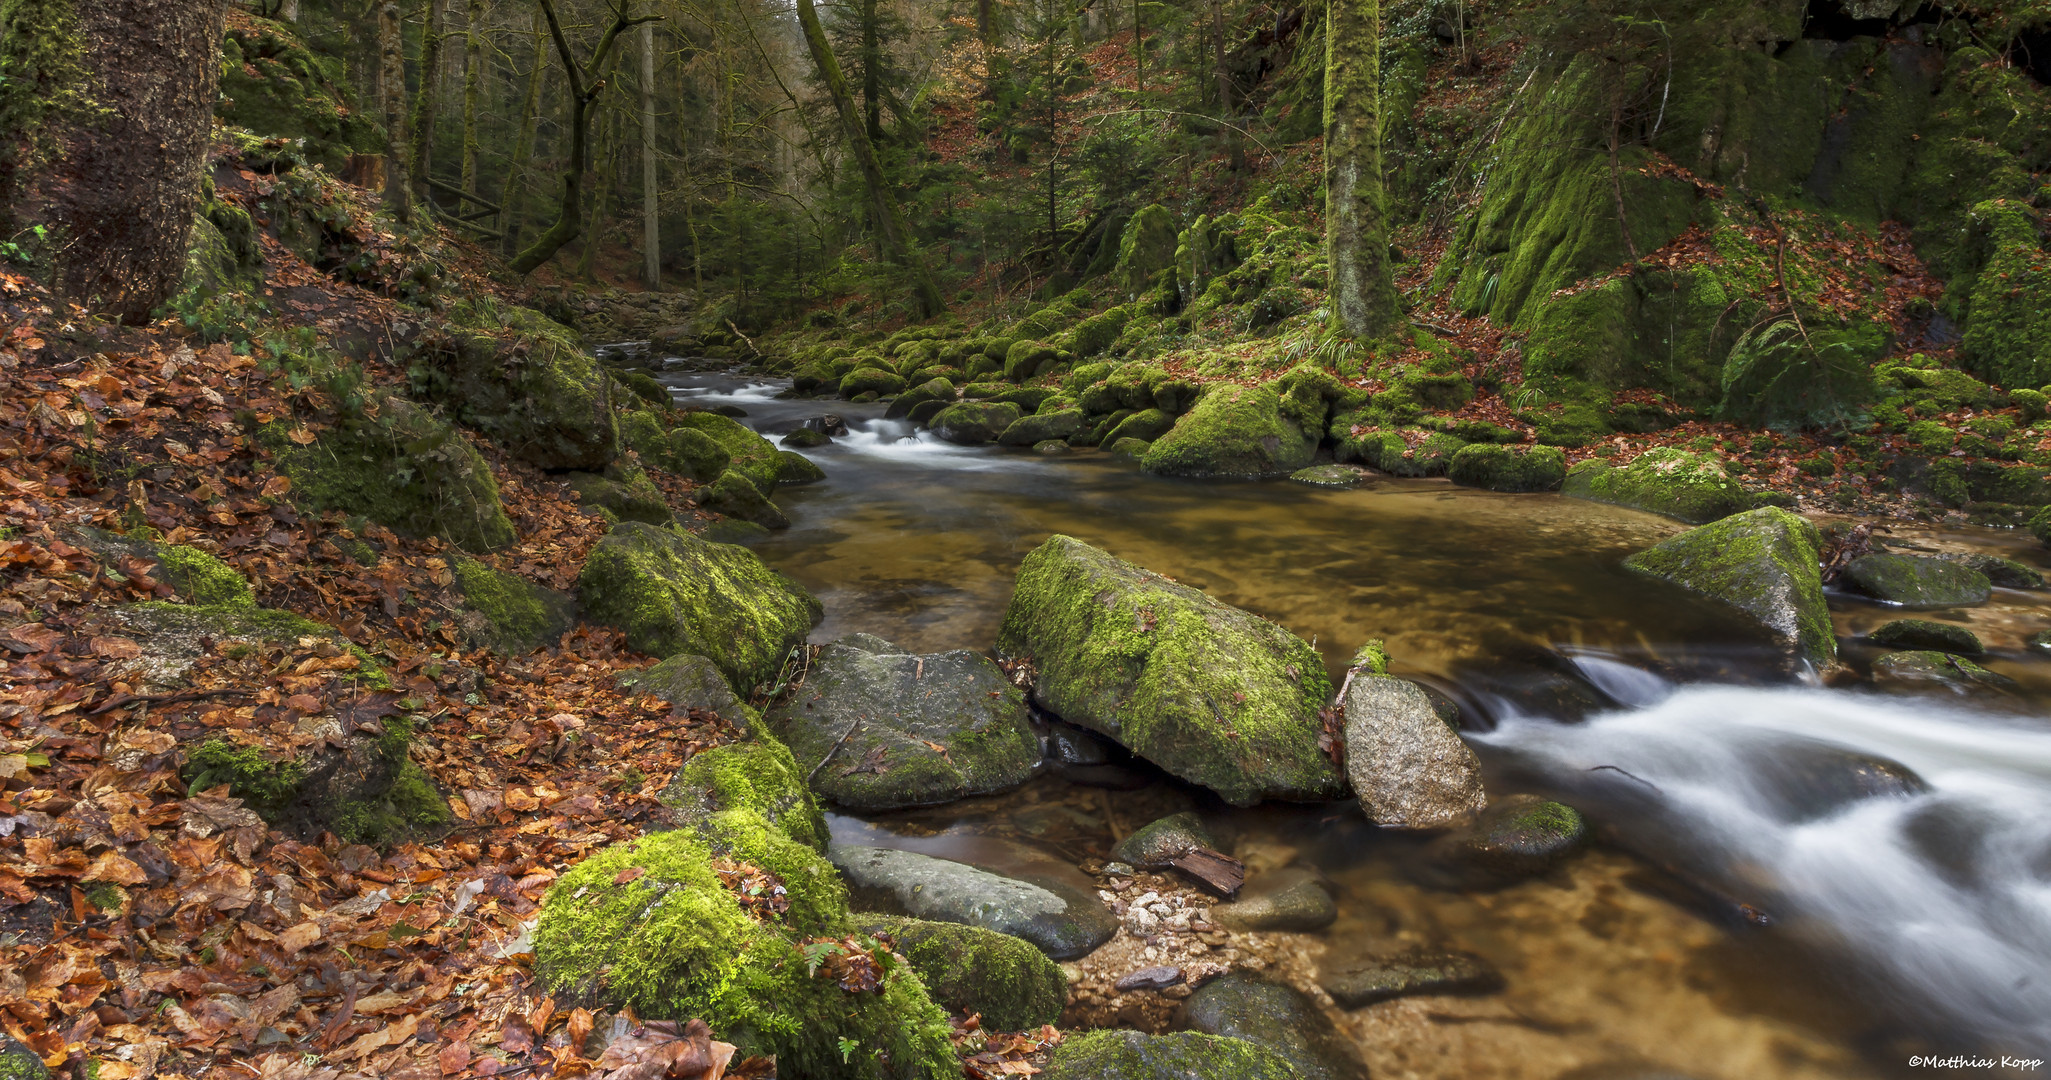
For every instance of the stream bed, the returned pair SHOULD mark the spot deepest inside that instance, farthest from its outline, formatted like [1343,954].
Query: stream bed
[1918,925]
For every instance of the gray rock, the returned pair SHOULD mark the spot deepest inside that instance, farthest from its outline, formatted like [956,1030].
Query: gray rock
[1160,843]
[1181,1055]
[1917,581]
[2006,573]
[1802,780]
[1409,768]
[1516,837]
[1924,634]
[1063,921]
[880,729]
[1243,1006]
[689,681]
[1923,671]
[1329,476]
[1763,562]
[1152,978]
[1371,979]
[1292,898]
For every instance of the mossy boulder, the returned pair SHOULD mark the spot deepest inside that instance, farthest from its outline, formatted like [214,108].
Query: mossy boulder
[1924,634]
[1242,1005]
[1508,468]
[794,468]
[275,86]
[1213,694]
[1147,426]
[749,454]
[690,681]
[173,636]
[1929,671]
[405,469]
[1917,581]
[1235,431]
[1329,476]
[1025,359]
[673,593]
[1040,427]
[1398,453]
[805,439]
[542,400]
[970,970]
[364,786]
[1179,1055]
[1098,332]
[649,925]
[758,776]
[1692,487]
[736,497]
[930,390]
[1057,918]
[627,495]
[505,612]
[1146,248]
[1132,450]
[871,381]
[688,452]
[974,423]
[881,729]
[195,576]
[1763,562]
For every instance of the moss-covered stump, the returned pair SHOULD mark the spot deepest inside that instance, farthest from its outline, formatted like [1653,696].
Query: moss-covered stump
[968,969]
[794,468]
[544,401]
[674,593]
[687,452]
[736,497]
[649,925]
[974,423]
[1917,581]
[930,390]
[1180,1055]
[1692,487]
[758,776]
[1213,694]
[405,469]
[1235,431]
[1924,634]
[1508,468]
[1763,562]
[880,729]
[749,454]
[690,681]
[1038,428]
[1929,671]
[506,613]
[193,576]
[627,495]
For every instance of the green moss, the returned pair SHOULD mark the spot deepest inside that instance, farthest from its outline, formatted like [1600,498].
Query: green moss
[1505,468]
[749,454]
[507,613]
[545,402]
[1098,332]
[273,85]
[685,451]
[106,896]
[734,496]
[759,776]
[1692,487]
[968,969]
[673,942]
[627,495]
[1931,437]
[1764,562]
[1371,658]
[1924,634]
[1235,431]
[203,579]
[404,469]
[370,792]
[2008,334]
[1145,249]
[672,593]
[249,773]
[1188,1055]
[1406,453]
[1144,426]
[870,380]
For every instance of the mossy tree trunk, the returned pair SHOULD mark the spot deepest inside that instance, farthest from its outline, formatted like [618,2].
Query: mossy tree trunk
[605,162]
[514,197]
[120,188]
[872,74]
[891,228]
[582,93]
[473,82]
[427,103]
[651,222]
[1363,294]
[398,194]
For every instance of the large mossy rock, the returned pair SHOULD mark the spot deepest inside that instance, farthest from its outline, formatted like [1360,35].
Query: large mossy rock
[1692,487]
[688,452]
[1213,694]
[1764,562]
[273,85]
[974,423]
[749,454]
[543,400]
[673,593]
[1508,468]
[737,497]
[506,613]
[649,925]
[758,776]
[881,729]
[1244,1006]
[936,389]
[405,469]
[970,970]
[1180,1055]
[1408,766]
[1060,920]
[625,495]
[690,681]
[1146,248]
[1917,581]
[1235,431]
[1040,427]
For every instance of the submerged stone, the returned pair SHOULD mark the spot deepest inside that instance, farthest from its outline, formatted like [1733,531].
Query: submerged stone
[1129,449]
[1516,837]
[881,729]
[1292,898]
[1159,843]
[1211,693]
[1244,1006]
[1917,580]
[2005,573]
[1924,634]
[970,970]
[1062,921]
[1764,562]
[1802,780]
[1052,448]
[1180,1055]
[1369,980]
[1664,480]
[1330,476]
[1931,671]
[1408,767]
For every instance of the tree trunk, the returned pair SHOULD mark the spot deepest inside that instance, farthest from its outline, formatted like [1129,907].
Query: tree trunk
[289,11]
[473,80]
[1237,145]
[651,222]
[1364,300]
[514,197]
[872,77]
[398,196]
[427,103]
[124,187]
[890,224]
[1139,48]
[605,163]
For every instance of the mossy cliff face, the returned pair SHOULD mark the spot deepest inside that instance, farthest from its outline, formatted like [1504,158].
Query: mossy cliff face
[544,401]
[673,941]
[1763,562]
[1692,487]
[673,593]
[1213,694]
[969,969]
[1235,431]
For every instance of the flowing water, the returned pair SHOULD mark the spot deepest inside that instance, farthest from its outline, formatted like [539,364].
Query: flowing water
[1917,921]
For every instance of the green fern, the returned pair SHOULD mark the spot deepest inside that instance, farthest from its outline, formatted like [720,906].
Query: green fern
[1778,377]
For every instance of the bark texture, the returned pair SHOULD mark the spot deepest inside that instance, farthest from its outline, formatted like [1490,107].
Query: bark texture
[1364,300]
[398,194]
[427,104]
[124,189]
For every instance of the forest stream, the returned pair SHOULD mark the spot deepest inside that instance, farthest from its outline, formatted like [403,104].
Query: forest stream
[1746,913]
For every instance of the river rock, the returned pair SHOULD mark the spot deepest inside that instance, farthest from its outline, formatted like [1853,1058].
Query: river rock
[1802,780]
[1159,843]
[532,391]
[1244,1006]
[1929,671]
[1081,756]
[870,381]
[748,453]
[1053,448]
[1508,468]
[974,423]
[1924,634]
[1664,480]
[830,424]
[1235,431]
[1158,977]
[1014,986]
[1329,476]
[1063,921]
[689,681]
[1146,425]
[1215,695]
[1409,768]
[1038,428]
[2005,573]
[878,728]
[1180,1055]
[1371,979]
[1515,837]
[1764,562]
[736,496]
[1917,580]
[630,497]
[805,438]
[797,469]
[1292,898]
[673,593]
[757,775]
[940,390]
[1128,449]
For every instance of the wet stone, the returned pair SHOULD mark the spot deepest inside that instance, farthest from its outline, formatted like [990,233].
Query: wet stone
[1061,920]
[1374,979]
[1329,476]
[2006,573]
[806,438]
[1804,780]
[1275,1016]
[1160,843]
[826,424]
[1292,898]
[1925,671]
[1925,634]
[1081,756]
[1515,837]
[1917,581]
[1152,978]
